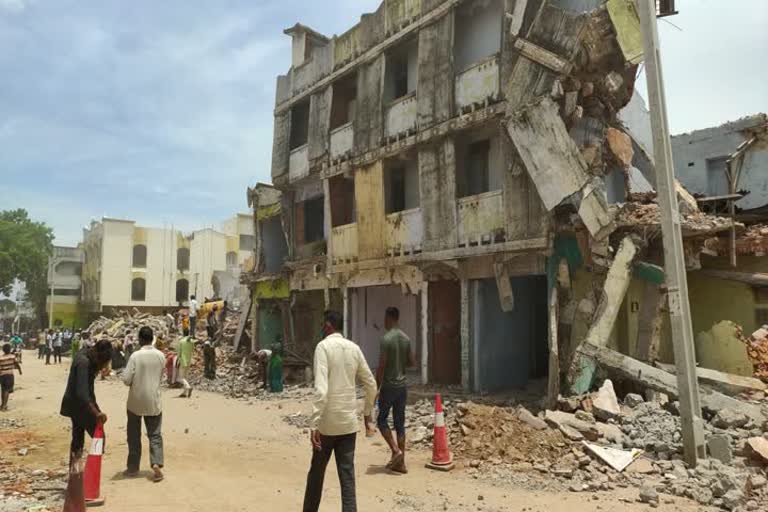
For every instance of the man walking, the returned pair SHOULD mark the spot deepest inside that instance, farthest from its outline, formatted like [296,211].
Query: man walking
[192,314]
[49,346]
[41,344]
[58,342]
[17,346]
[395,355]
[8,363]
[143,376]
[338,362]
[79,402]
[186,351]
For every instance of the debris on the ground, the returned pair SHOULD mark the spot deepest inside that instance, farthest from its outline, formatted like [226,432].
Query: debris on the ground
[21,488]
[757,350]
[617,459]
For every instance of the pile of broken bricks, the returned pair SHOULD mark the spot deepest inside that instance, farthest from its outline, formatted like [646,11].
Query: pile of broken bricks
[597,443]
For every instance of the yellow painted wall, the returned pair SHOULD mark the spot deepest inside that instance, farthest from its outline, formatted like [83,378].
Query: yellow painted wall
[369,197]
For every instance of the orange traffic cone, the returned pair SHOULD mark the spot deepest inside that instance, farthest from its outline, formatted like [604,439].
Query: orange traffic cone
[442,458]
[92,479]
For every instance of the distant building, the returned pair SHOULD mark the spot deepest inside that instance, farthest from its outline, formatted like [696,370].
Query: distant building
[65,268]
[701,163]
[126,265]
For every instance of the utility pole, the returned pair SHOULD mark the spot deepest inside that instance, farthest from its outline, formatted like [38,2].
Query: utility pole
[53,289]
[674,258]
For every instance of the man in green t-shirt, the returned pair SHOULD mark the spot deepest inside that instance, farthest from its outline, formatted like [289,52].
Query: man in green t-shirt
[395,356]
[186,351]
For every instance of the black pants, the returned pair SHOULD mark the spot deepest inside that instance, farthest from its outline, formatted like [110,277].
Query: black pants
[192,325]
[48,352]
[343,447]
[56,354]
[78,434]
[40,351]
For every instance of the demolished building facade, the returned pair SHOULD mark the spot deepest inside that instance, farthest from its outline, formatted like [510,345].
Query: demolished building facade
[483,165]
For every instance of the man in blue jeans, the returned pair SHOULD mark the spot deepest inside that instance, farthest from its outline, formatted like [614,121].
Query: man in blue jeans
[395,356]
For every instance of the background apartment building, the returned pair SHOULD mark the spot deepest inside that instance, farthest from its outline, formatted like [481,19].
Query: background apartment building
[125,265]
[65,268]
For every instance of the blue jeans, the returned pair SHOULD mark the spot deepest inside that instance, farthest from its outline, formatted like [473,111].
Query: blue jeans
[395,399]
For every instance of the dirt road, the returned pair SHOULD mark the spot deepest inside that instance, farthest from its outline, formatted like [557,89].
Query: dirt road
[227,455]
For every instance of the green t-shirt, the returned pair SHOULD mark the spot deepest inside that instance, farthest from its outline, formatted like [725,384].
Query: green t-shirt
[396,345]
[186,349]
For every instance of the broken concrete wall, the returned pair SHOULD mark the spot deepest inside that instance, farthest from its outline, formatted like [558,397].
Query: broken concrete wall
[400,13]
[318,66]
[280,146]
[722,348]
[369,118]
[319,124]
[437,175]
[700,161]
[435,75]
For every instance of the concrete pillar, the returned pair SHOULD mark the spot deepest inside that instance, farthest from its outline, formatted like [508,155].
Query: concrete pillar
[465,335]
[345,295]
[255,325]
[425,333]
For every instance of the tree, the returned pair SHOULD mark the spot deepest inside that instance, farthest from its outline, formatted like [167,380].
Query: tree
[25,246]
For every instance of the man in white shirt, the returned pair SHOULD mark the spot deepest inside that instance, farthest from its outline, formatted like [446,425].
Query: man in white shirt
[143,374]
[338,363]
[193,306]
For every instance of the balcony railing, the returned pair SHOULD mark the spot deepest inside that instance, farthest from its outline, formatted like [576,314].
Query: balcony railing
[481,219]
[344,244]
[342,139]
[404,232]
[298,164]
[478,84]
[401,115]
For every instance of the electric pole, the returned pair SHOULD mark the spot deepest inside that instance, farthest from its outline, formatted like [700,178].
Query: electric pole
[674,258]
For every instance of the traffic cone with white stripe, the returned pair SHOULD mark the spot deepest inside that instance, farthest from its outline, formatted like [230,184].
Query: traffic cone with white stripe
[442,458]
[92,479]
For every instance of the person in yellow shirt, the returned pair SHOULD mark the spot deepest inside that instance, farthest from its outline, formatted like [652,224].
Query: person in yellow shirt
[186,352]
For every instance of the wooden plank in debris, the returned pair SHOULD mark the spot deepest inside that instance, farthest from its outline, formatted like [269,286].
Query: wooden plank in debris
[504,286]
[625,367]
[725,382]
[244,314]
[626,23]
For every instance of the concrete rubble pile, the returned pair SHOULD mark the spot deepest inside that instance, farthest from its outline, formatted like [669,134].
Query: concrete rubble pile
[130,322]
[563,449]
[21,488]
[239,376]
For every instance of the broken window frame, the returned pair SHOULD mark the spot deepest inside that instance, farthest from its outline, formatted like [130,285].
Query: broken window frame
[182,259]
[139,256]
[138,289]
[462,18]
[299,133]
[314,219]
[344,99]
[396,86]
[397,170]
[182,297]
[345,186]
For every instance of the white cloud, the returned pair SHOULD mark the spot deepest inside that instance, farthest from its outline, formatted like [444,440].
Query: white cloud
[14,5]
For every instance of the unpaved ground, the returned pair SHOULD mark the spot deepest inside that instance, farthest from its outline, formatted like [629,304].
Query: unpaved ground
[226,455]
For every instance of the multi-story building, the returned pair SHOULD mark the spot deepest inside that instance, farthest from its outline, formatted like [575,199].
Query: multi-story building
[65,268]
[126,265]
[449,158]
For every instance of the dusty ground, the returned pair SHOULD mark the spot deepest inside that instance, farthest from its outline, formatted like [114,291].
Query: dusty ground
[226,455]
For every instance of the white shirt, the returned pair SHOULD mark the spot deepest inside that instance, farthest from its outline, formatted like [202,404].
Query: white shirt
[193,308]
[338,362]
[143,374]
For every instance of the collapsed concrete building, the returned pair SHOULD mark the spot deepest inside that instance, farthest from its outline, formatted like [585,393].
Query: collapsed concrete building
[485,166]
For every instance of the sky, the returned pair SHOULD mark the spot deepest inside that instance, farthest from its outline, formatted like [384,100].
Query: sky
[161,112]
